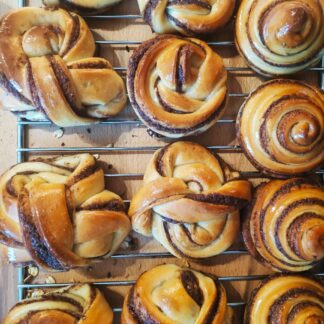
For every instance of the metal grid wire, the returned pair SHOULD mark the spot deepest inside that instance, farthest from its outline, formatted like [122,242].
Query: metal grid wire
[21,149]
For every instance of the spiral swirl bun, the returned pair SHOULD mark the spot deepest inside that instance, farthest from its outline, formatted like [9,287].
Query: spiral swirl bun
[187,17]
[81,304]
[284,225]
[177,86]
[82,6]
[189,202]
[47,69]
[281,128]
[59,212]
[170,294]
[286,299]
[278,37]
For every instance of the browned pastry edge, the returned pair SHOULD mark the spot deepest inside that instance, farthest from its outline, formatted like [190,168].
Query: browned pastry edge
[264,169]
[133,62]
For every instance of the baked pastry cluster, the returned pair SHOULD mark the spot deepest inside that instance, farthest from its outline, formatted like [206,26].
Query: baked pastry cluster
[80,304]
[189,201]
[187,17]
[170,294]
[284,225]
[47,69]
[83,6]
[280,37]
[57,213]
[176,86]
[280,127]
[286,298]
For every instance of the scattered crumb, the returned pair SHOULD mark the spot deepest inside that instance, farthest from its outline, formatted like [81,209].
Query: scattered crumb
[89,130]
[62,144]
[33,271]
[109,166]
[59,133]
[127,48]
[50,280]
[110,145]
[153,134]
[109,274]
[35,293]
[96,156]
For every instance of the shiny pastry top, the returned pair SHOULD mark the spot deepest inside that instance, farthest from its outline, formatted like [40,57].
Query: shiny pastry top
[283,227]
[169,294]
[187,17]
[58,214]
[280,127]
[189,201]
[286,299]
[82,6]
[177,86]
[47,69]
[280,37]
[80,304]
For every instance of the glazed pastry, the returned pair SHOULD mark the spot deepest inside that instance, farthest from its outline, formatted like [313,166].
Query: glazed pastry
[189,201]
[280,37]
[58,213]
[176,86]
[286,299]
[81,304]
[280,127]
[187,17]
[170,294]
[47,69]
[283,227]
[82,6]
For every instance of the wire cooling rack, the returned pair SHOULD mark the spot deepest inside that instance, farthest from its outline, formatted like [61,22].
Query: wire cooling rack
[21,149]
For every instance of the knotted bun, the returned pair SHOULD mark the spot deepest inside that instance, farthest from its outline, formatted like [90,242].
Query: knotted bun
[284,225]
[280,37]
[81,304]
[177,86]
[187,17]
[47,70]
[60,213]
[281,128]
[286,299]
[170,294]
[83,6]
[189,202]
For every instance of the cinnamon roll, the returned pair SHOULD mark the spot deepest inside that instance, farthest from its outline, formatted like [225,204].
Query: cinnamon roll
[170,294]
[189,201]
[279,37]
[286,298]
[283,227]
[83,6]
[47,69]
[176,86]
[280,127]
[187,17]
[57,213]
[80,304]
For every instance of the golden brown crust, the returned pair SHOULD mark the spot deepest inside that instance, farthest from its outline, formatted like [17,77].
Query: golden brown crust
[189,202]
[279,37]
[81,304]
[280,127]
[286,298]
[176,86]
[170,294]
[283,227]
[187,17]
[59,211]
[78,88]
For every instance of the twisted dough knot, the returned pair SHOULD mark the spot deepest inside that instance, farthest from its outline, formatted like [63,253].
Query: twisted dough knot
[82,6]
[81,304]
[281,128]
[60,213]
[186,16]
[286,298]
[47,70]
[284,227]
[189,202]
[177,86]
[170,294]
[280,37]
